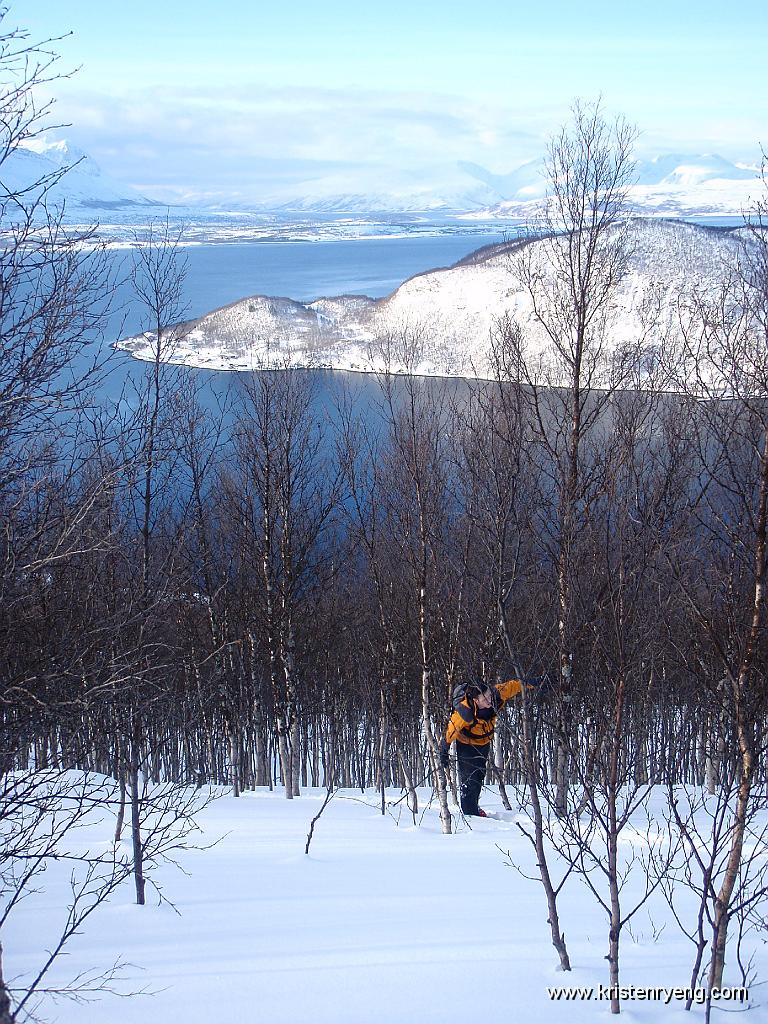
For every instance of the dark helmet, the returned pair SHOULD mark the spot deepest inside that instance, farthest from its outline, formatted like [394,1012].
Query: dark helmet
[477,687]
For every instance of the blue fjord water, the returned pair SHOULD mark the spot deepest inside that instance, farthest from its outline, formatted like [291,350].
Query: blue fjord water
[218,274]
[221,273]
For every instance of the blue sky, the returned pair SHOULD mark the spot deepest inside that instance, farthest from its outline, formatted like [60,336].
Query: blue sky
[226,98]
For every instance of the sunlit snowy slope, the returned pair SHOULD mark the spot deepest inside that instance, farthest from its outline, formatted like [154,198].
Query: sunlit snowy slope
[442,322]
[385,922]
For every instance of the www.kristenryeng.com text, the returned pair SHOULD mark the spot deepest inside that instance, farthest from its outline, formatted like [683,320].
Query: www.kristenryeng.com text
[647,993]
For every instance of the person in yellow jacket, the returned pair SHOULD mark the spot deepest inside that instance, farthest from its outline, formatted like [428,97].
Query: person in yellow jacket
[471,725]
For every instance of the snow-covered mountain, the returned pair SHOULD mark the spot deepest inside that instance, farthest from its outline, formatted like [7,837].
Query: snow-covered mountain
[388,190]
[672,185]
[677,169]
[442,322]
[679,185]
[455,188]
[668,185]
[82,188]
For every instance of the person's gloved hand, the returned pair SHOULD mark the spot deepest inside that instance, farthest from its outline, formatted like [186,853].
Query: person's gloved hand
[443,753]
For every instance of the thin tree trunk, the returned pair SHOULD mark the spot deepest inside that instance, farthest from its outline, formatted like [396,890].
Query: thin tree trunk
[296,756]
[438,773]
[233,751]
[532,772]
[138,850]
[121,804]
[498,769]
[412,800]
[260,752]
[286,763]
[744,731]
[381,747]
[288,660]
[614,933]
[6,1017]
[553,918]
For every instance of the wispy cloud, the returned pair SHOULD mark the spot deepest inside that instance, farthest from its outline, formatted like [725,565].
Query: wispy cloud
[191,140]
[179,96]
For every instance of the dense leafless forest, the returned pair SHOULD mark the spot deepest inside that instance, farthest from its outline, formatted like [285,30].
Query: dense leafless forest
[283,594]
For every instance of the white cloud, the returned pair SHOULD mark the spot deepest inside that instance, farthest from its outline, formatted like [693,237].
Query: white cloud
[252,141]
[182,139]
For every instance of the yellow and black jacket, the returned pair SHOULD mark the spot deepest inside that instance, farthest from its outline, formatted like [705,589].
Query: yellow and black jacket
[475,727]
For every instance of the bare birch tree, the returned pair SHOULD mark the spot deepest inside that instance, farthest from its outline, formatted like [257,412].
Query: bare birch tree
[290,494]
[725,359]
[570,277]
[420,502]
[54,294]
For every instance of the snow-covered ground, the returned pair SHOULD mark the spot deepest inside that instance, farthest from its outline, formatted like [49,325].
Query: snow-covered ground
[120,229]
[387,921]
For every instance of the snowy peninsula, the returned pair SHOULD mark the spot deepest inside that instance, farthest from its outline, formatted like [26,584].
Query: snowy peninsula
[443,322]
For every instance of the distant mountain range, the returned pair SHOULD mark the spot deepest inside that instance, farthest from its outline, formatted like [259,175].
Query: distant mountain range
[670,185]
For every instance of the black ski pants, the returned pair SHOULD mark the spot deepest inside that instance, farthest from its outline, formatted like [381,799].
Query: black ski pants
[472,762]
